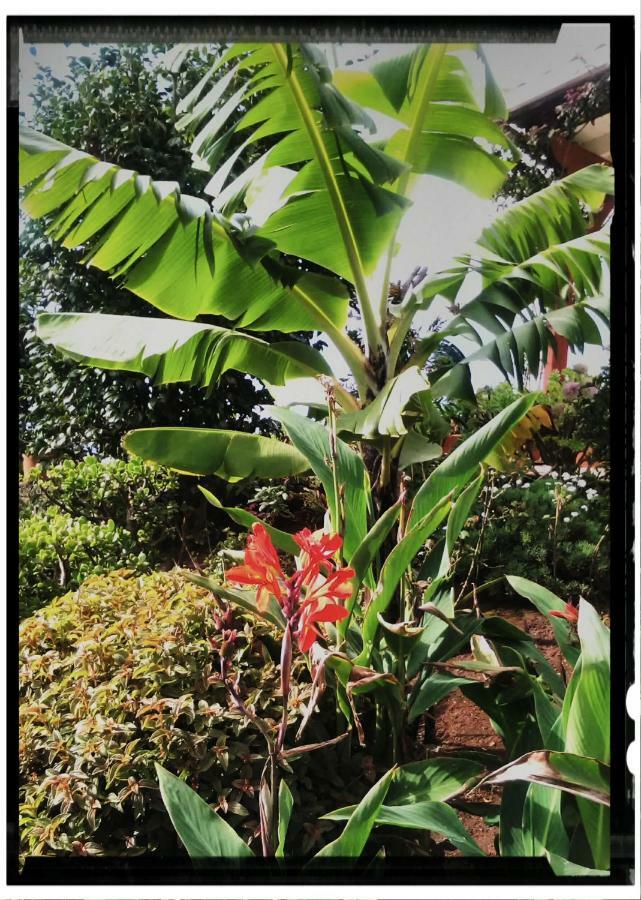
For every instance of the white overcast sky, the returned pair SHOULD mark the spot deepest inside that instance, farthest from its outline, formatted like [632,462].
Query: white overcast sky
[445,219]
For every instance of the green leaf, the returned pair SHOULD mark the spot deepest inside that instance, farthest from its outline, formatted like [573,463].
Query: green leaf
[546,602]
[365,555]
[360,823]
[203,832]
[437,778]
[245,599]
[564,867]
[330,208]
[543,826]
[384,415]
[285,804]
[281,539]
[169,351]
[435,101]
[457,518]
[311,440]
[168,247]
[417,449]
[393,570]
[462,464]
[231,455]
[586,719]
[432,690]
[455,157]
[518,346]
[426,815]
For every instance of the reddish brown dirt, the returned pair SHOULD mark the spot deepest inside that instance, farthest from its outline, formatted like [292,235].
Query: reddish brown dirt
[459,724]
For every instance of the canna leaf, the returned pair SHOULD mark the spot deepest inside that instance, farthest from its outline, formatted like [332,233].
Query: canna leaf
[285,804]
[426,815]
[205,835]
[351,842]
[281,539]
[463,463]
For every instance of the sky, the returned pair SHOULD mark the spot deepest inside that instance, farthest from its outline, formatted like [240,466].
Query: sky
[445,219]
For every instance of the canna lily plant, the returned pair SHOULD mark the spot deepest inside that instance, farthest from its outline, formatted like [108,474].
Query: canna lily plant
[312,173]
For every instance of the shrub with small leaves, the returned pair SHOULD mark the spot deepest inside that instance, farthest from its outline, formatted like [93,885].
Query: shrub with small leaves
[140,497]
[57,552]
[122,674]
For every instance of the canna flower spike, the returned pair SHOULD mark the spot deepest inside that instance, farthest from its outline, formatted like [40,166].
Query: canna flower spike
[312,595]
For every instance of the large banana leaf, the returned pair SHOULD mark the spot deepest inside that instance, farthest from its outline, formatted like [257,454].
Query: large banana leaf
[168,247]
[444,132]
[543,238]
[316,191]
[534,260]
[170,351]
[231,455]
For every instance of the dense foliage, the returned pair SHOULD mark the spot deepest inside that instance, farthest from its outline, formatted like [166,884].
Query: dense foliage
[89,517]
[114,677]
[57,552]
[557,525]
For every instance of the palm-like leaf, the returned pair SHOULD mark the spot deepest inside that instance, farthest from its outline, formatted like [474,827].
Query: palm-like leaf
[319,169]
[528,342]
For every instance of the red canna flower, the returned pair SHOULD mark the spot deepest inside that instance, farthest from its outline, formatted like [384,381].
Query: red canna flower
[570,613]
[317,550]
[262,567]
[307,597]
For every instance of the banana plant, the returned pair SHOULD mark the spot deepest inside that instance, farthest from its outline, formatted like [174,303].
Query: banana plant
[307,193]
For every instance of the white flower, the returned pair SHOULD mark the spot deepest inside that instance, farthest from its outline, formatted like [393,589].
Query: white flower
[574,514]
[565,476]
[581,482]
[590,493]
[546,517]
[583,506]
[518,481]
[554,474]
[525,486]
[570,488]
[566,518]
